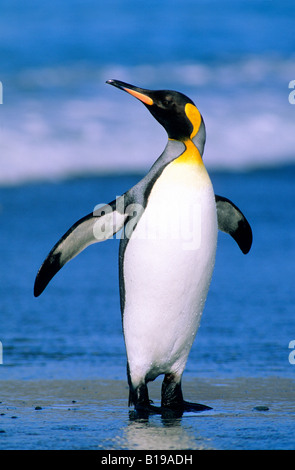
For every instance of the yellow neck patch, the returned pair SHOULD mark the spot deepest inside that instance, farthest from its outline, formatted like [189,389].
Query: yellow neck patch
[191,155]
[194,116]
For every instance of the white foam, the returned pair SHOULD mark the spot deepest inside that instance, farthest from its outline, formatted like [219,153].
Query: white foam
[248,117]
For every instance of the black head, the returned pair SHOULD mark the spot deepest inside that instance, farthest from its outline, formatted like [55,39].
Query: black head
[175,111]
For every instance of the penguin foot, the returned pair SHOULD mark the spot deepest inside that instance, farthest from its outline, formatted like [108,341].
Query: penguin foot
[144,411]
[173,406]
[196,407]
[174,412]
[143,406]
[184,407]
[172,399]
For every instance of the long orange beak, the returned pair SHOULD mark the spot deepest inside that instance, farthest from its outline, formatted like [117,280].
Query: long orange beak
[139,93]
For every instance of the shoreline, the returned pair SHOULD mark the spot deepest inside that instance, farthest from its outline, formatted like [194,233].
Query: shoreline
[241,388]
[247,413]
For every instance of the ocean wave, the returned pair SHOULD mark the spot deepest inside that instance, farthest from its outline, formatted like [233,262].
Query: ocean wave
[63,121]
[250,70]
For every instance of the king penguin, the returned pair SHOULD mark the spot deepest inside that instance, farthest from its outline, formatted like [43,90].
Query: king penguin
[169,222]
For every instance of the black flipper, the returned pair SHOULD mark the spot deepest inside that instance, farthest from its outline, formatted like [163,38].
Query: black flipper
[232,221]
[98,226]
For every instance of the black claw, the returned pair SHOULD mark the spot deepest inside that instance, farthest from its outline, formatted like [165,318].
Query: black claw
[197,407]
[144,412]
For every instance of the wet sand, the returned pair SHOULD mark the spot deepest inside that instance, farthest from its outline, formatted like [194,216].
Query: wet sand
[248,413]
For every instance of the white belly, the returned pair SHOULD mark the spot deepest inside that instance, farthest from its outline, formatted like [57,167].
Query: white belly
[167,267]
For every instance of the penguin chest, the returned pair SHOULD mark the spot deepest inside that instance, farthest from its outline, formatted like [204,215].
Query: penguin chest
[167,267]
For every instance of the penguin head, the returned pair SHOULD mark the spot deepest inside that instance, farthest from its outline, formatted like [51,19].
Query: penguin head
[173,110]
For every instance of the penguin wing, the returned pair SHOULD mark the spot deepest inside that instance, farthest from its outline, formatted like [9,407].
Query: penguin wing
[98,226]
[232,221]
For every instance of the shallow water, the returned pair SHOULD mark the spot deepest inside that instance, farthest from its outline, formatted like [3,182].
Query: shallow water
[234,59]
[92,415]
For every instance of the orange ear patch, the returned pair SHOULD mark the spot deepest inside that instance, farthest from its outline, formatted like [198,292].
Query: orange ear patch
[194,116]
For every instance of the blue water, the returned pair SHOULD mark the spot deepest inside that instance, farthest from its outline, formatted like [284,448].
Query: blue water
[74,329]
[234,58]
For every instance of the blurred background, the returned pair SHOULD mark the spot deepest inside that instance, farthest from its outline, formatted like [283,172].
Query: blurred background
[234,58]
[68,142]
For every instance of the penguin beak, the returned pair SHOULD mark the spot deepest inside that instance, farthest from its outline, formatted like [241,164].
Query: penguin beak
[139,93]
